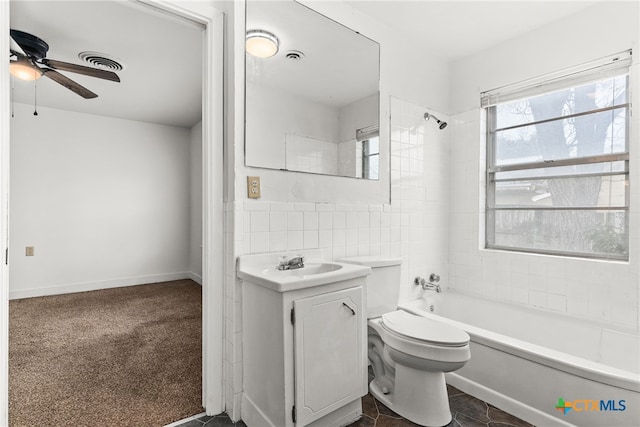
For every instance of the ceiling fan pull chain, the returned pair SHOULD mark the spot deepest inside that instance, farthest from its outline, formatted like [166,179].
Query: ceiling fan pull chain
[35,98]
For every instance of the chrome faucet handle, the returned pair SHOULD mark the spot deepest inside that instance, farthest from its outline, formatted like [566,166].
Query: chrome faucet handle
[297,260]
[291,263]
[282,262]
[431,284]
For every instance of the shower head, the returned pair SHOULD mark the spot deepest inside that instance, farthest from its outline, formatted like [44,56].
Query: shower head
[439,122]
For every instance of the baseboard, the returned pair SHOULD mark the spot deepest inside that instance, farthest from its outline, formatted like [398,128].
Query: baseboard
[252,415]
[341,417]
[195,277]
[505,403]
[185,420]
[94,286]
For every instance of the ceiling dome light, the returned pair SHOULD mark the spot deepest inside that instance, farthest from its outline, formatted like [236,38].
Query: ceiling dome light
[22,69]
[261,44]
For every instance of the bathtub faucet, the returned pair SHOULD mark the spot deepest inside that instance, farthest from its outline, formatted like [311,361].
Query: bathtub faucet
[291,263]
[431,284]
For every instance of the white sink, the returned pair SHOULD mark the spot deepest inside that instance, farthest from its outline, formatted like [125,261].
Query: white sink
[262,269]
[310,268]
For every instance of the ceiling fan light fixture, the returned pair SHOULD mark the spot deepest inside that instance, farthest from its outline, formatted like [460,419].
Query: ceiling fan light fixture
[261,44]
[24,71]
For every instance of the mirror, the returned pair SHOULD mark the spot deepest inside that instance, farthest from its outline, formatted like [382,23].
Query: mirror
[314,105]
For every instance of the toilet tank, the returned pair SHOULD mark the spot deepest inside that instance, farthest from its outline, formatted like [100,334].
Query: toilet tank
[383,286]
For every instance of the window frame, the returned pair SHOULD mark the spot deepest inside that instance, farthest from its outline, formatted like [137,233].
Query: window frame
[490,102]
[363,137]
[366,158]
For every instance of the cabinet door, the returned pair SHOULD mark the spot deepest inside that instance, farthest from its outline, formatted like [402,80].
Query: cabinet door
[330,352]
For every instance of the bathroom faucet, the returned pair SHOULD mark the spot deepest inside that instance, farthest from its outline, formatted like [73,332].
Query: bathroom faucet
[431,284]
[291,263]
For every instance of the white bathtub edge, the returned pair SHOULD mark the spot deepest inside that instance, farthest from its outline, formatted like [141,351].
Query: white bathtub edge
[504,403]
[575,365]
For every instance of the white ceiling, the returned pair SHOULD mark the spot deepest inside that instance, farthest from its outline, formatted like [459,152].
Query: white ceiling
[162,81]
[338,66]
[455,29]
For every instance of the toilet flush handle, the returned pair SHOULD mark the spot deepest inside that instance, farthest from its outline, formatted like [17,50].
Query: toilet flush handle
[349,308]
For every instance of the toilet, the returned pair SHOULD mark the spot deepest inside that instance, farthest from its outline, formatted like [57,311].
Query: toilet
[409,353]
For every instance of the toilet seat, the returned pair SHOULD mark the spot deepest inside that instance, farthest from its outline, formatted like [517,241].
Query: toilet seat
[424,330]
[420,348]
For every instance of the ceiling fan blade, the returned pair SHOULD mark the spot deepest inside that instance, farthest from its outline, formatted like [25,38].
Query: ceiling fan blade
[81,69]
[68,83]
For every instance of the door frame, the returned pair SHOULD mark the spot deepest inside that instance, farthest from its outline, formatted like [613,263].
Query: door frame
[212,198]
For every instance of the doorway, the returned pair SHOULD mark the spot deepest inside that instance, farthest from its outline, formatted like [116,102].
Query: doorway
[212,273]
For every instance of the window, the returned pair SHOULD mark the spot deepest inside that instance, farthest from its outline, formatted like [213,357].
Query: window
[370,140]
[558,163]
[370,158]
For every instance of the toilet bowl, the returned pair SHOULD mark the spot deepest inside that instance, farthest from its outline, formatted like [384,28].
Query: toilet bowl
[415,355]
[409,354]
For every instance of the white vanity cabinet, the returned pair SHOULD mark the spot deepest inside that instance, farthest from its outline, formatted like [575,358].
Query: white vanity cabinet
[304,353]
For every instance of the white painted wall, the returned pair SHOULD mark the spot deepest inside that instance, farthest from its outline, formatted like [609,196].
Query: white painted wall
[606,292]
[349,153]
[274,114]
[286,131]
[603,29]
[105,202]
[357,115]
[195,192]
[311,155]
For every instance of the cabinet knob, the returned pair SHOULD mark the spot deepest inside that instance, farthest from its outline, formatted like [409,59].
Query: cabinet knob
[349,308]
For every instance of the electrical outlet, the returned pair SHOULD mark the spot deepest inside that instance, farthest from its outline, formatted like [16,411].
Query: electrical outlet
[253,187]
[28,251]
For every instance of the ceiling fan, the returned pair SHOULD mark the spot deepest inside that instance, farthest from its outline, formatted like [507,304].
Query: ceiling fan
[28,62]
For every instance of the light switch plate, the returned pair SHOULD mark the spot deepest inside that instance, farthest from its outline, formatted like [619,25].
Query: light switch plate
[28,251]
[253,187]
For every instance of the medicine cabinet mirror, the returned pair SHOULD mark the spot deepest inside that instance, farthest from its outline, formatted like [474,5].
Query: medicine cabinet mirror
[314,106]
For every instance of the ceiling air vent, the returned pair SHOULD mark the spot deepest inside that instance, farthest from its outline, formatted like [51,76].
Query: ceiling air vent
[101,60]
[294,55]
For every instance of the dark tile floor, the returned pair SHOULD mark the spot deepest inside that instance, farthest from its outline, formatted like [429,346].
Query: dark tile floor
[467,411]
[221,420]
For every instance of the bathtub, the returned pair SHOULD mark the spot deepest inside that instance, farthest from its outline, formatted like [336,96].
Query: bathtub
[524,360]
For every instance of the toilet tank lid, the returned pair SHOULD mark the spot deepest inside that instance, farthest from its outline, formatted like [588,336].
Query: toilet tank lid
[372,261]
